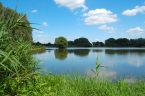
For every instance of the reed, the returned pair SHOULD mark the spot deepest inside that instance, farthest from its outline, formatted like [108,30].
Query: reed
[15,60]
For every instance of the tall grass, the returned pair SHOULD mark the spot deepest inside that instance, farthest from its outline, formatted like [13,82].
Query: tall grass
[76,85]
[15,60]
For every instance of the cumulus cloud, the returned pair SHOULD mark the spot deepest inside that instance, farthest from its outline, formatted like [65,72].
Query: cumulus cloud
[99,16]
[34,11]
[135,31]
[72,4]
[132,12]
[44,24]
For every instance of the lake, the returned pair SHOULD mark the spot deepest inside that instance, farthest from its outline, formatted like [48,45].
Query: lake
[127,63]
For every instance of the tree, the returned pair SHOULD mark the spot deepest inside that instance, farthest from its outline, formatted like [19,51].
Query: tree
[123,42]
[71,43]
[110,42]
[82,42]
[61,42]
[49,44]
[98,44]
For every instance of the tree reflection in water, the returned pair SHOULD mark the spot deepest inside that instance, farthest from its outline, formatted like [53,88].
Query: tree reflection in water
[60,54]
[80,52]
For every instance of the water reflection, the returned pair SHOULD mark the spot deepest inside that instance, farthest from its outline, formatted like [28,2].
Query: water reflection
[112,52]
[97,50]
[60,54]
[124,52]
[104,73]
[121,62]
[80,52]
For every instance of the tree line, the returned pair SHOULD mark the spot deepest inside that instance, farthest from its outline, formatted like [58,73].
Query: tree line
[111,42]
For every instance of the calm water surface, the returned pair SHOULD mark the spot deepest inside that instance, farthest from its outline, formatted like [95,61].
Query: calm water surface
[127,63]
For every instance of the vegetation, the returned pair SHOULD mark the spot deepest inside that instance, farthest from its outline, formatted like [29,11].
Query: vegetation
[37,49]
[74,85]
[16,64]
[20,78]
[23,31]
[111,42]
[82,42]
[98,44]
[124,42]
[61,42]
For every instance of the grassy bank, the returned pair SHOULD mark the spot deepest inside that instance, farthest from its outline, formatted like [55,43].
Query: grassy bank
[76,85]
[37,49]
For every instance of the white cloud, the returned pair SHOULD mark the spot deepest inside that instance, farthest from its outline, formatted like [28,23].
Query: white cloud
[34,11]
[109,29]
[105,27]
[99,16]
[132,12]
[72,4]
[44,24]
[135,31]
[38,31]
[42,36]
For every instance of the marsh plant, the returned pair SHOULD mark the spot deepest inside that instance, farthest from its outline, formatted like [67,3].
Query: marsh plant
[97,66]
[16,64]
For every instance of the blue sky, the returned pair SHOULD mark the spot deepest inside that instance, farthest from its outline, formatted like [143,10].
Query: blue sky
[96,20]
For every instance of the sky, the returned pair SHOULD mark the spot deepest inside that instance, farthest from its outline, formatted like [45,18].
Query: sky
[96,20]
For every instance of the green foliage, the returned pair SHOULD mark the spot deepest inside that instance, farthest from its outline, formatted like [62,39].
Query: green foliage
[71,44]
[23,31]
[37,49]
[75,85]
[61,42]
[15,60]
[98,44]
[124,42]
[82,42]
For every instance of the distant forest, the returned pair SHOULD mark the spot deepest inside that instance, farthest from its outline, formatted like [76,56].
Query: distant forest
[111,42]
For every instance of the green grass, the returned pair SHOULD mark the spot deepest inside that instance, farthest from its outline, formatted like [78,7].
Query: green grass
[74,85]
